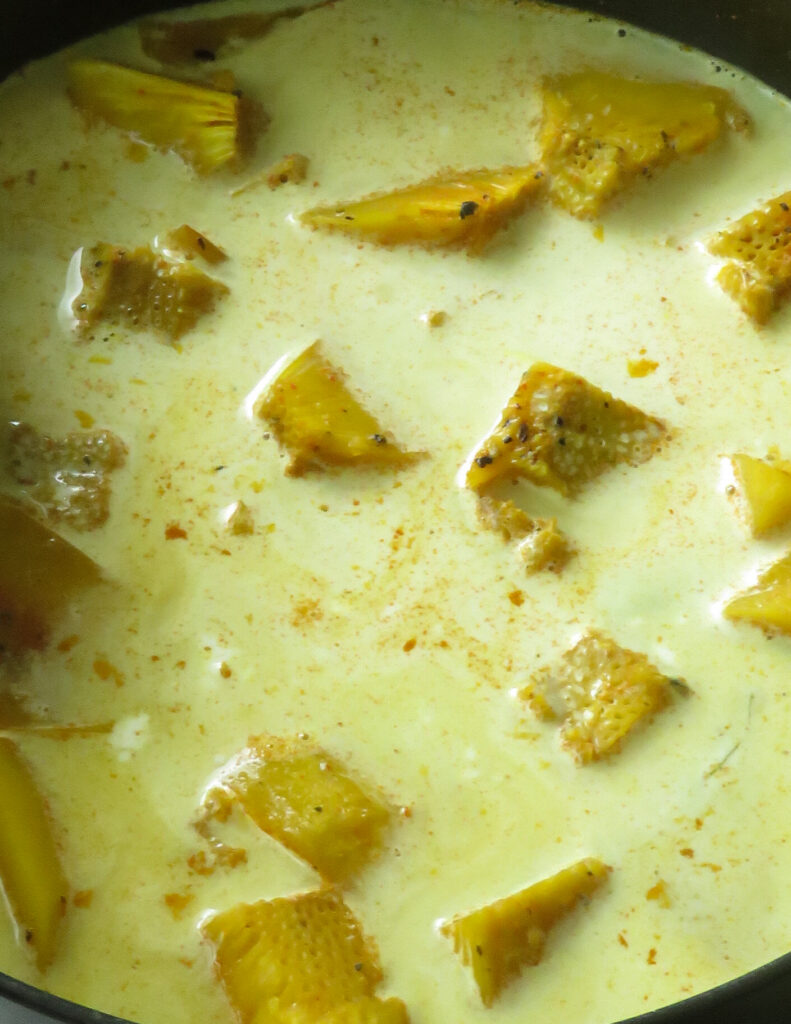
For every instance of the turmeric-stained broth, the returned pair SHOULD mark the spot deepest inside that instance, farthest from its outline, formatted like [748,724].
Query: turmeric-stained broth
[367,607]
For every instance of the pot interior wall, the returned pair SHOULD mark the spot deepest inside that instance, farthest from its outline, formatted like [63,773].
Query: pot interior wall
[753,34]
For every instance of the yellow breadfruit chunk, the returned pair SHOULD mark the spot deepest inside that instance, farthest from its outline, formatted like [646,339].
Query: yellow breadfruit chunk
[299,960]
[600,132]
[768,603]
[767,491]
[757,248]
[302,797]
[600,692]
[39,573]
[560,431]
[30,870]
[142,289]
[539,543]
[315,417]
[457,209]
[497,941]
[200,124]
[66,478]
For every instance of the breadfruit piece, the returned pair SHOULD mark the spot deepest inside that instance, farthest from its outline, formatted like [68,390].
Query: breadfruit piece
[142,289]
[302,797]
[768,603]
[600,692]
[201,125]
[499,940]
[30,871]
[464,209]
[66,478]
[757,250]
[560,431]
[766,488]
[299,960]
[315,417]
[539,543]
[600,132]
[39,573]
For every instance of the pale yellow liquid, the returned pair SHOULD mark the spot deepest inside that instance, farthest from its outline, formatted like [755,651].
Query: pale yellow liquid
[312,612]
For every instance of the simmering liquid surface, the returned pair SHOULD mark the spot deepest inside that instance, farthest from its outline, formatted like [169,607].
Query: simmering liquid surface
[369,609]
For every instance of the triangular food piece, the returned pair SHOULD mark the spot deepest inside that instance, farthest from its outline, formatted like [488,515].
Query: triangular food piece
[766,487]
[302,797]
[600,692]
[39,573]
[30,870]
[600,132]
[767,604]
[757,249]
[464,209]
[499,940]
[142,289]
[315,417]
[202,125]
[66,478]
[539,543]
[299,960]
[560,431]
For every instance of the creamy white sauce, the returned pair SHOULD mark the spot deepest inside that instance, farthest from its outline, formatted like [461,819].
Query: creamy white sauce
[495,803]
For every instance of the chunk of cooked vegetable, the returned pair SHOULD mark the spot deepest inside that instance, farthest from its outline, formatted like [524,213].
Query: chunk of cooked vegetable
[499,940]
[201,125]
[600,692]
[539,543]
[142,289]
[67,479]
[600,132]
[183,42]
[315,417]
[757,250]
[30,869]
[39,573]
[560,431]
[464,209]
[299,960]
[191,244]
[302,797]
[768,603]
[766,487]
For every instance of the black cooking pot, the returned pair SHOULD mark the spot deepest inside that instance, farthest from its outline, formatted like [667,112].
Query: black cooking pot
[753,34]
